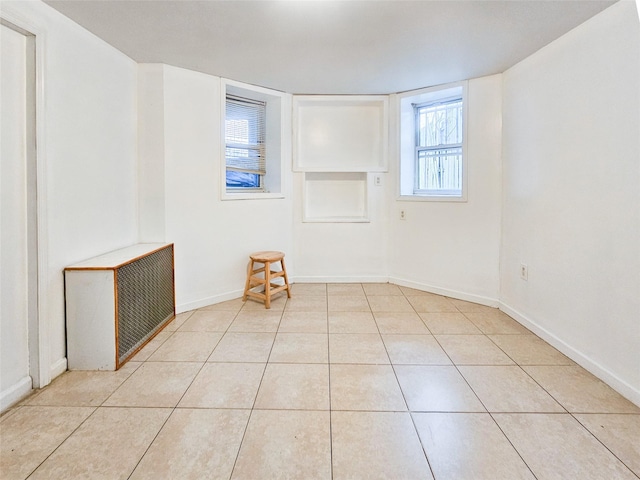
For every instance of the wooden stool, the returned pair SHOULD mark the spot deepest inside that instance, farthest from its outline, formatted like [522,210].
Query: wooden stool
[267,258]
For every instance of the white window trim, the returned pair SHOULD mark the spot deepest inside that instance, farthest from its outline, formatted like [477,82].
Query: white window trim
[278,131]
[406,141]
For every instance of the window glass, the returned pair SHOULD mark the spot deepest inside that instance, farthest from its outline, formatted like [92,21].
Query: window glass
[438,168]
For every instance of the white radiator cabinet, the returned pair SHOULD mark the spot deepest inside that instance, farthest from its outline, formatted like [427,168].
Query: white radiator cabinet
[116,303]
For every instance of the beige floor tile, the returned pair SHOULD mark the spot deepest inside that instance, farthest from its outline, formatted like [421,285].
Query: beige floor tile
[465,306]
[449,323]
[300,348]
[529,350]
[354,289]
[496,322]
[294,386]
[30,434]
[155,384]
[352,322]
[407,291]
[365,387]
[278,303]
[285,444]
[436,389]
[187,347]
[357,348]
[82,388]
[228,306]
[381,289]
[427,304]
[376,445]
[195,444]
[472,350]
[256,321]
[224,385]
[580,392]
[407,322]
[307,303]
[309,289]
[243,347]
[348,303]
[620,433]
[468,446]
[108,445]
[208,321]
[508,389]
[558,447]
[303,322]
[389,303]
[178,321]
[415,350]
[146,351]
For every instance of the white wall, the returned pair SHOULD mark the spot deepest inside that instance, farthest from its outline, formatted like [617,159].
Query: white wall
[572,197]
[340,221]
[213,237]
[342,252]
[88,154]
[452,248]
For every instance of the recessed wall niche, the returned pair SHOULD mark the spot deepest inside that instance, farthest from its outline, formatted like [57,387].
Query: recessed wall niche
[335,197]
[340,133]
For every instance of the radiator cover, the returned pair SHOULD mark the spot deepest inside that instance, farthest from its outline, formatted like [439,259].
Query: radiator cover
[116,303]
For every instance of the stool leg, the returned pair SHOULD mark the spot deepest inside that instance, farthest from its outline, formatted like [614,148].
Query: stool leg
[286,280]
[247,283]
[267,285]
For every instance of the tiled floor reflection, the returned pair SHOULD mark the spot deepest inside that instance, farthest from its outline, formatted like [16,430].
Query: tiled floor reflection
[342,381]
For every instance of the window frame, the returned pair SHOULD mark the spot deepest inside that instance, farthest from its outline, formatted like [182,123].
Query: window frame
[277,141]
[407,135]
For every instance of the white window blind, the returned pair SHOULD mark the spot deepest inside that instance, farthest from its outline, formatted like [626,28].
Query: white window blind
[245,135]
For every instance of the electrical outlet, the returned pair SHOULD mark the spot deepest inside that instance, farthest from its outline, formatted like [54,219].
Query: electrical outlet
[403,215]
[524,272]
[377,180]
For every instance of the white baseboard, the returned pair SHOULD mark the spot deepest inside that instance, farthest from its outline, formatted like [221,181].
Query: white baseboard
[346,279]
[15,393]
[469,297]
[611,379]
[204,302]
[58,368]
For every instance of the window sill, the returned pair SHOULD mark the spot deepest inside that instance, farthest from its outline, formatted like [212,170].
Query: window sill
[431,198]
[252,196]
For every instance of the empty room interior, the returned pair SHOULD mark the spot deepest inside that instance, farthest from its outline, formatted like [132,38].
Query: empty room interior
[453,186]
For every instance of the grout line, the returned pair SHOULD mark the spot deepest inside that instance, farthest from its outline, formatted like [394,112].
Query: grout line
[255,398]
[329,386]
[393,368]
[183,393]
[601,442]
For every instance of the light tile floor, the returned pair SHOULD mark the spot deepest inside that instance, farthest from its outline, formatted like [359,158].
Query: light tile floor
[341,381]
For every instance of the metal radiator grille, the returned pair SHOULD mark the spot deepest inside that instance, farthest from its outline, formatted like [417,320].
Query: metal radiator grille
[145,299]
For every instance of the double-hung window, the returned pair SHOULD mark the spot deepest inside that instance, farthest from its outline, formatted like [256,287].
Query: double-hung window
[438,158]
[245,144]
[432,143]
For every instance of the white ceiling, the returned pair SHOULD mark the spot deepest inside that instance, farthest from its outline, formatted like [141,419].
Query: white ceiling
[332,47]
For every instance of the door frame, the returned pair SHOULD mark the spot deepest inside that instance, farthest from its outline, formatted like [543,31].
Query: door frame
[38,238]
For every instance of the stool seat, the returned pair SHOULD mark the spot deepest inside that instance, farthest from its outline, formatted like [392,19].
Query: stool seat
[267,256]
[255,280]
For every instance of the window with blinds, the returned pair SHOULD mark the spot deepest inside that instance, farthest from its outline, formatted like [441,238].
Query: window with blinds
[245,151]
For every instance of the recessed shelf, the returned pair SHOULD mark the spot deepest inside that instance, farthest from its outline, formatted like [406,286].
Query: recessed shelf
[335,197]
